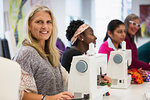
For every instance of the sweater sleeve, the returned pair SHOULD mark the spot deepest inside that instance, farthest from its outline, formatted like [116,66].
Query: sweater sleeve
[26,57]
[139,64]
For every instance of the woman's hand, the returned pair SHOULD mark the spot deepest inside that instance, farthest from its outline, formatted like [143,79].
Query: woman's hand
[60,96]
[106,79]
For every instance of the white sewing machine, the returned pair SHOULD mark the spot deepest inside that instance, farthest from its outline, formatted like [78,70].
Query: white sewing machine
[83,76]
[118,67]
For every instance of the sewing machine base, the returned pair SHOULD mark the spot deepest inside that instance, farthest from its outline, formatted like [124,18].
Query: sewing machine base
[96,95]
[121,83]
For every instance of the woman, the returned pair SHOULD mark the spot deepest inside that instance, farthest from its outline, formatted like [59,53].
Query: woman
[80,35]
[114,36]
[133,29]
[42,74]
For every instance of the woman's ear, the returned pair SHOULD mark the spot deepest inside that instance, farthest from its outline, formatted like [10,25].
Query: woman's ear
[81,37]
[109,34]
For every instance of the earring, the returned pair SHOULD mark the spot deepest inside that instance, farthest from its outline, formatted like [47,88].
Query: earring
[81,39]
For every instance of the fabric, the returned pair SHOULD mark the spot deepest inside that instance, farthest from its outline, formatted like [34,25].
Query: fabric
[48,79]
[136,76]
[147,79]
[104,48]
[67,57]
[27,84]
[135,62]
[144,52]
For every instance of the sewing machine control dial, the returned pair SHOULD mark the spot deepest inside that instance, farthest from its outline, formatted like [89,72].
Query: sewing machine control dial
[117,58]
[81,66]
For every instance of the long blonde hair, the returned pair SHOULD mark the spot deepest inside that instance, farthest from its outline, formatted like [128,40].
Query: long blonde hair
[51,51]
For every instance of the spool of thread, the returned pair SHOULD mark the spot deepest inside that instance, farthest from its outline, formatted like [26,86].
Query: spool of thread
[91,49]
[123,45]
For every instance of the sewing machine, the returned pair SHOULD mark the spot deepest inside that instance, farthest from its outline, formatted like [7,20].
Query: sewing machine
[118,67]
[84,70]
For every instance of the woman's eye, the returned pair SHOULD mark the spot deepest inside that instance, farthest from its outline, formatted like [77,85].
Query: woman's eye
[134,23]
[92,34]
[39,21]
[49,21]
[120,31]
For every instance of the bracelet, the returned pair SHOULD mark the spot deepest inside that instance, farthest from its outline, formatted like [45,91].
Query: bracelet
[43,97]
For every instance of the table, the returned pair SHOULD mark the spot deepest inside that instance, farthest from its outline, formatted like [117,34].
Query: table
[133,92]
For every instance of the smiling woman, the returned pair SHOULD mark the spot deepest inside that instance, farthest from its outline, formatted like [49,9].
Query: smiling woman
[133,29]
[41,27]
[42,75]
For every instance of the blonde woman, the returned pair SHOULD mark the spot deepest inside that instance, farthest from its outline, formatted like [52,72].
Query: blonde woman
[42,75]
[133,29]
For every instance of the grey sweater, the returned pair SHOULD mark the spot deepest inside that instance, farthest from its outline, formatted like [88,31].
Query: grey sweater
[48,79]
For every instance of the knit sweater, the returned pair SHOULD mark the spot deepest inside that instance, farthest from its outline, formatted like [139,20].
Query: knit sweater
[48,79]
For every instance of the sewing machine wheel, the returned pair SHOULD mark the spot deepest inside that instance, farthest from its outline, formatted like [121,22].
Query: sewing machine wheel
[81,66]
[117,58]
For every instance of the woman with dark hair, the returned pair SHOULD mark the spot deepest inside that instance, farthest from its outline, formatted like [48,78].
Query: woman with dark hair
[80,35]
[133,29]
[114,36]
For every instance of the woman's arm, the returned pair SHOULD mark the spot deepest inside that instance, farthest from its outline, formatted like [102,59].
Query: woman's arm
[65,77]
[60,96]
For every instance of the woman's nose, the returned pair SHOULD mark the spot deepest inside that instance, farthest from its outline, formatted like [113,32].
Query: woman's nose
[44,25]
[95,38]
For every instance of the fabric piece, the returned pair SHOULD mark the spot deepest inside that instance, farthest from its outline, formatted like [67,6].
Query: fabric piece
[27,84]
[148,77]
[136,76]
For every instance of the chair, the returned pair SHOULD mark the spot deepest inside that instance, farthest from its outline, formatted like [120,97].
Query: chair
[10,77]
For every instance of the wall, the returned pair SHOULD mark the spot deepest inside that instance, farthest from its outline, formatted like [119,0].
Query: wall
[1,19]
[135,9]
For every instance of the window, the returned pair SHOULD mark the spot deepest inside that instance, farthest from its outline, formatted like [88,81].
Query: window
[107,10]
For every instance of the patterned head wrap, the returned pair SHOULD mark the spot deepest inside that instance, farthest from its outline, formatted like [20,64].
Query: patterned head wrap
[81,29]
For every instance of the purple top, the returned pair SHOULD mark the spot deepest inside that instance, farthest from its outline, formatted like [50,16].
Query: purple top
[135,62]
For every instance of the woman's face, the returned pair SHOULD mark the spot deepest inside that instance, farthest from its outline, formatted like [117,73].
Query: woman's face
[118,35]
[133,26]
[41,26]
[89,36]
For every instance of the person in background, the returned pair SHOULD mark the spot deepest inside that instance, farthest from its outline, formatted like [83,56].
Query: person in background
[133,29]
[60,45]
[43,76]
[114,36]
[80,35]
[144,52]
